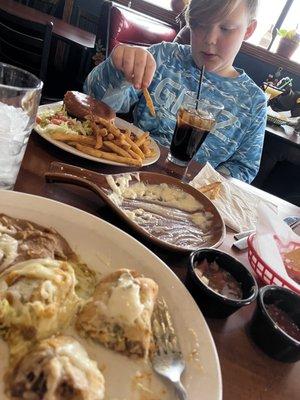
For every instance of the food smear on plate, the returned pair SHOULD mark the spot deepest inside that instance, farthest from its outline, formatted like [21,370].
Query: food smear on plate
[78,123]
[218,279]
[164,211]
[284,321]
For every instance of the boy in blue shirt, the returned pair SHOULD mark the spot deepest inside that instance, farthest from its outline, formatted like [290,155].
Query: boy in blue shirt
[218,28]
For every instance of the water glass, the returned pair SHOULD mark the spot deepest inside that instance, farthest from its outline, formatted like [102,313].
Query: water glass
[20,93]
[195,119]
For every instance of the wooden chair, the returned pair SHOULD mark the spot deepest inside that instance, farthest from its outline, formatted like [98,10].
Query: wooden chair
[80,61]
[25,44]
[46,6]
[86,20]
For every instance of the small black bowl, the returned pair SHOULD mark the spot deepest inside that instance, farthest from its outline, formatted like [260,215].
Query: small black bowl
[266,333]
[213,304]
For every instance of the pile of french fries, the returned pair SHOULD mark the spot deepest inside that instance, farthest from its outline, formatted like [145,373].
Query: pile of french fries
[109,142]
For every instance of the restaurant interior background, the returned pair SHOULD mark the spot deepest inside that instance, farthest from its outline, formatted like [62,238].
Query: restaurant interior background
[257,57]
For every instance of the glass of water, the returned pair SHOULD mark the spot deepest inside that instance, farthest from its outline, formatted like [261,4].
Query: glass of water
[20,93]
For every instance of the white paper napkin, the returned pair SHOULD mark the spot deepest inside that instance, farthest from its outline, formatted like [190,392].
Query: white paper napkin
[237,206]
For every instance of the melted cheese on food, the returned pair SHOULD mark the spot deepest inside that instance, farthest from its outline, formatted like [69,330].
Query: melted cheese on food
[5,229]
[77,355]
[124,302]
[8,250]
[38,293]
[162,193]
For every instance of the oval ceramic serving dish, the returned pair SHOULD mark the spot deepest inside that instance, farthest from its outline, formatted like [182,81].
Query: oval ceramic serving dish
[167,226]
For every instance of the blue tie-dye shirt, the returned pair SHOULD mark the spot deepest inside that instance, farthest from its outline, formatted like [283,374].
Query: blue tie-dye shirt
[234,147]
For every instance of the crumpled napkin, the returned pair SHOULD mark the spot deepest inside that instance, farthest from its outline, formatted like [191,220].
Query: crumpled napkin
[284,115]
[237,207]
[268,225]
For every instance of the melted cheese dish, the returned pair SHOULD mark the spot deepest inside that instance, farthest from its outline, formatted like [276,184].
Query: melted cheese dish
[164,211]
[119,314]
[37,299]
[56,369]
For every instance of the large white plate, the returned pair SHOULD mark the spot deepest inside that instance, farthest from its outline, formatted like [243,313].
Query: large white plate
[120,123]
[106,248]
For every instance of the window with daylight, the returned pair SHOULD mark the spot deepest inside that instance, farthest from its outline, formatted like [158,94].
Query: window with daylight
[267,16]
[161,3]
[273,15]
[292,21]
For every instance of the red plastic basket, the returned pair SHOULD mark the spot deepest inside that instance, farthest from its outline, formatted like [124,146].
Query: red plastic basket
[263,270]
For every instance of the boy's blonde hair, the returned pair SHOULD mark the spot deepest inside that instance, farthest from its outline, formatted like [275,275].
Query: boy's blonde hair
[199,11]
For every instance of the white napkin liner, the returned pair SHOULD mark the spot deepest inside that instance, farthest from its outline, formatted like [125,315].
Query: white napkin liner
[270,225]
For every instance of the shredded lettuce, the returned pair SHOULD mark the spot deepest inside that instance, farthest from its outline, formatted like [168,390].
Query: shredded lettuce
[72,125]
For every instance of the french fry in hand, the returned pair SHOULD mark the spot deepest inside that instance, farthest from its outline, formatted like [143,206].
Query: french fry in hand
[149,102]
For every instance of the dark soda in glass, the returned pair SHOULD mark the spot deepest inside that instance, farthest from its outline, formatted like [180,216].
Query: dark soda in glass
[190,132]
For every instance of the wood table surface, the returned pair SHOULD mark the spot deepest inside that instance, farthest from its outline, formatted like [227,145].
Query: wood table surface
[62,29]
[247,373]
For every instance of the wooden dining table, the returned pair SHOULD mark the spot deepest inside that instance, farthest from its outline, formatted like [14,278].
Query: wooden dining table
[61,29]
[247,373]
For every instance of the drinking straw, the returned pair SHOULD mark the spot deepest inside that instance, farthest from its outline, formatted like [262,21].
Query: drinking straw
[200,83]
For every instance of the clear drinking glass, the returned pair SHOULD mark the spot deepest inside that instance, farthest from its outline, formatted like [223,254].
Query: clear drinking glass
[20,93]
[195,119]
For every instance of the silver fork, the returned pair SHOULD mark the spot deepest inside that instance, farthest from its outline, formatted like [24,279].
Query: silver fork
[167,359]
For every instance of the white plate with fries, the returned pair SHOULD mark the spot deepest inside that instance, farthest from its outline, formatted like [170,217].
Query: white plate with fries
[116,147]
[105,249]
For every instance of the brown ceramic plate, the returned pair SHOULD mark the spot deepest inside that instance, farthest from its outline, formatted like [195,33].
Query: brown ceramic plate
[166,225]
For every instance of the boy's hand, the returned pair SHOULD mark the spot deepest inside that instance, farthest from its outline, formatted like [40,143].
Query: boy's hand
[137,64]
